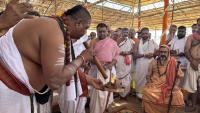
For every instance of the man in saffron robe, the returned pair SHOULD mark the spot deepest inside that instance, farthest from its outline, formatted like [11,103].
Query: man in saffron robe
[160,80]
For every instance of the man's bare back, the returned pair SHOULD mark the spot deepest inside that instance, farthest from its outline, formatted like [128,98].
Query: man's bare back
[29,37]
[40,43]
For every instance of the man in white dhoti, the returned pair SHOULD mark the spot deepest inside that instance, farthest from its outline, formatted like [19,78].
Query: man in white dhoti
[145,52]
[67,104]
[123,66]
[107,51]
[192,50]
[28,64]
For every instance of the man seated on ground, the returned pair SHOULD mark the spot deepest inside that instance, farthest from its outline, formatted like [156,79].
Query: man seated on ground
[161,75]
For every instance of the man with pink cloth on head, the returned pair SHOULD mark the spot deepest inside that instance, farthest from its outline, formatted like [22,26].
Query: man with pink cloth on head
[107,51]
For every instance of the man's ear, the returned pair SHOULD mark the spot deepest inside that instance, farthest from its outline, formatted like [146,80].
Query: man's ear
[64,17]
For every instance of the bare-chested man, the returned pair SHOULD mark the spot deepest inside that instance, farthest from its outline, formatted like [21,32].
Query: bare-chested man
[192,52]
[34,54]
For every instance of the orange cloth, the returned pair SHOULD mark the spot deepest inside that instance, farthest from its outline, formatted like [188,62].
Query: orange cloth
[170,77]
[150,108]
[12,82]
[127,60]
[84,83]
[153,91]
[165,22]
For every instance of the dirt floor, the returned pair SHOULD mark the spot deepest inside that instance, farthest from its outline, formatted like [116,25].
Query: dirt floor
[135,103]
[130,105]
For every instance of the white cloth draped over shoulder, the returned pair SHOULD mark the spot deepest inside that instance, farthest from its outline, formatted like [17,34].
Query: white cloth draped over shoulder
[124,70]
[142,64]
[178,45]
[10,100]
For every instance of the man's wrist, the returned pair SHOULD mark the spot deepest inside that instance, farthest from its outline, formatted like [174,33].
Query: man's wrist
[83,59]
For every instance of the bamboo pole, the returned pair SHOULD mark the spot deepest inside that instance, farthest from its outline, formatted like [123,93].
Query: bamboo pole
[139,14]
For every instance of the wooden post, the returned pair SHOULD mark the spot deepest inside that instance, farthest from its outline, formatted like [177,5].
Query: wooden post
[165,22]
[139,14]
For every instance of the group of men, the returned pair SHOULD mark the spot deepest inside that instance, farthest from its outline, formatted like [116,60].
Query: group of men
[41,55]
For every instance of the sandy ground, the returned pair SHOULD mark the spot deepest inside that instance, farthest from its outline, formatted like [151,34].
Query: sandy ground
[132,104]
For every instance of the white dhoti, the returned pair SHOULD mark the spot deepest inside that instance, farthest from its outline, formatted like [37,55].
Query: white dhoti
[74,106]
[10,100]
[14,102]
[190,82]
[69,98]
[125,84]
[142,64]
[123,69]
[99,98]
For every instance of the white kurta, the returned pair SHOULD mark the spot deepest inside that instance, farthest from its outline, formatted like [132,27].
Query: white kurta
[178,45]
[124,70]
[142,64]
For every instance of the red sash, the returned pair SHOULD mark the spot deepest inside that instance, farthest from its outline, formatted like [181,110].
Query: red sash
[12,82]
[84,83]
[127,60]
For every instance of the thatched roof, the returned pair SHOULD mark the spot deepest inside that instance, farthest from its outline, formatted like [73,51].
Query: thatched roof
[124,13]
